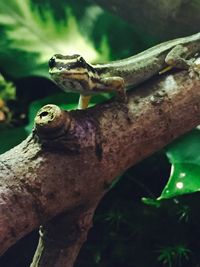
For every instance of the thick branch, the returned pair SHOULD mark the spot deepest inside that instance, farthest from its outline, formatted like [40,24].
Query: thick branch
[70,159]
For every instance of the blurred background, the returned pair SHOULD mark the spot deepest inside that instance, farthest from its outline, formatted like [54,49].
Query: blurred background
[147,218]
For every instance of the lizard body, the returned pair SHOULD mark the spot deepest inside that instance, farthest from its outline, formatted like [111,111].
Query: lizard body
[73,73]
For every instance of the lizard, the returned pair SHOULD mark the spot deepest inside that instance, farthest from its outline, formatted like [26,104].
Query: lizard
[73,73]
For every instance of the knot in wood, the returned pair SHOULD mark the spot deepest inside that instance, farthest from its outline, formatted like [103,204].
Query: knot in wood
[51,121]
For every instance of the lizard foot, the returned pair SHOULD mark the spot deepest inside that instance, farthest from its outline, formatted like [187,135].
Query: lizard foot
[84,101]
[194,70]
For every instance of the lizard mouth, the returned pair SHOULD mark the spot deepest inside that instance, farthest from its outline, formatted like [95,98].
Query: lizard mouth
[65,72]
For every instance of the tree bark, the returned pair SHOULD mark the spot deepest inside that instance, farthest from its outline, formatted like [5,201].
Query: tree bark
[69,161]
[61,239]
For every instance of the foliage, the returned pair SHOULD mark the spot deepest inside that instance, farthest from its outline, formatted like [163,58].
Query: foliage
[7,93]
[7,89]
[173,253]
[185,159]
[35,36]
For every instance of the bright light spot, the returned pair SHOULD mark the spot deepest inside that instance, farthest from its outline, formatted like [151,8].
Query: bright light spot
[182,174]
[170,83]
[172,170]
[197,61]
[179,185]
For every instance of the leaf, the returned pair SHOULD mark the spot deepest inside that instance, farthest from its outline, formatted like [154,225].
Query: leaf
[32,35]
[184,155]
[11,137]
[151,202]
[7,89]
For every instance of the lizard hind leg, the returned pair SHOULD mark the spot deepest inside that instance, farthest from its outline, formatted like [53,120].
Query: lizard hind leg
[176,58]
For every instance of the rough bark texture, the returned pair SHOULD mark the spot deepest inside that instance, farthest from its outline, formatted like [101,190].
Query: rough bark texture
[68,162]
[62,238]
[160,18]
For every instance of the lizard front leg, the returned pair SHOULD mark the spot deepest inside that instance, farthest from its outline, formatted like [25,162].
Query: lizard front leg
[108,84]
[83,102]
[115,84]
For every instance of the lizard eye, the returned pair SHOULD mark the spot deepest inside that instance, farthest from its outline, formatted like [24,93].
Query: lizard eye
[81,60]
[52,62]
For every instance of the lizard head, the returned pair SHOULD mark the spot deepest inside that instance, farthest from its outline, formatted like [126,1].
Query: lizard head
[72,73]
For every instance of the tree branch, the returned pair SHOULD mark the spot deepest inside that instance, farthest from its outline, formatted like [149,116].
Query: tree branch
[68,162]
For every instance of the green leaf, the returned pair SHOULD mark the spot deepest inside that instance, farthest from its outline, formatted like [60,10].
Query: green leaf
[151,202]
[11,137]
[184,155]
[7,89]
[32,35]
[173,255]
